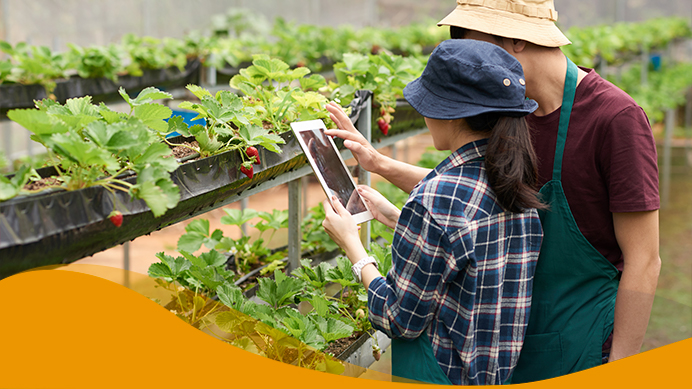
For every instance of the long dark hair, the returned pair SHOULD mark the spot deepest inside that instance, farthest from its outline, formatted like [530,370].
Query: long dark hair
[509,160]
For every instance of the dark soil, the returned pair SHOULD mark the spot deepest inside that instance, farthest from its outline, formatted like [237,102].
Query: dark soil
[340,345]
[182,151]
[41,184]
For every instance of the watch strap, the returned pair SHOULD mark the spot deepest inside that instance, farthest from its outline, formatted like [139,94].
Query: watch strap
[357,268]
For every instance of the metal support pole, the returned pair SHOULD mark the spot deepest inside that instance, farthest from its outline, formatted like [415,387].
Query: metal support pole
[6,127]
[602,67]
[645,65]
[306,185]
[5,24]
[667,144]
[209,75]
[126,264]
[688,127]
[364,125]
[243,206]
[295,235]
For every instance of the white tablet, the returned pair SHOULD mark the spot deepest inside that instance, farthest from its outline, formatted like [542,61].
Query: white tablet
[330,168]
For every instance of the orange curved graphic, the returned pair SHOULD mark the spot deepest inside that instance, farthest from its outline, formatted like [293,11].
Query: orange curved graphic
[83,329]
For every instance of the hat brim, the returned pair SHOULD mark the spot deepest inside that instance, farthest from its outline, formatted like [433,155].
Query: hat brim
[542,32]
[433,106]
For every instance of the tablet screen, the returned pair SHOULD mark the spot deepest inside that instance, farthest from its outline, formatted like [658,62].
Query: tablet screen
[336,178]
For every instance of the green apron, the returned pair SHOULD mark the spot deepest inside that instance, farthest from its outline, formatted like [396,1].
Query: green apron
[415,360]
[574,286]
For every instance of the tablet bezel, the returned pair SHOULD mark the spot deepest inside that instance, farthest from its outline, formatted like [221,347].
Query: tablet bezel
[309,125]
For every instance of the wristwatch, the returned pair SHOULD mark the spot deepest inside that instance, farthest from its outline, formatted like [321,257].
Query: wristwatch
[357,269]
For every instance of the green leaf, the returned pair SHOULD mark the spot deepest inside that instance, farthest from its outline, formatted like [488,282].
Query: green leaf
[160,270]
[125,96]
[356,63]
[227,321]
[157,154]
[199,226]
[383,256]
[255,135]
[177,124]
[191,242]
[314,82]
[332,329]
[213,258]
[149,94]
[174,266]
[11,187]
[320,304]
[146,96]
[277,219]
[109,115]
[198,91]
[84,153]
[236,217]
[230,295]
[38,122]
[154,116]
[280,291]
[160,195]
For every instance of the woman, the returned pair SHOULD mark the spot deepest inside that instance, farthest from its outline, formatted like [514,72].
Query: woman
[456,302]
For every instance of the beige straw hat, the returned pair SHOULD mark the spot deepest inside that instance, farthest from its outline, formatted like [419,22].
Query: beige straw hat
[529,20]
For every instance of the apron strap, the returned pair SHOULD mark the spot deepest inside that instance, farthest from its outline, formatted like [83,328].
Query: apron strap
[565,112]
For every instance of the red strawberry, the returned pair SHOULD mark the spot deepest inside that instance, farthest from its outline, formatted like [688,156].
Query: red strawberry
[116,218]
[252,152]
[383,111]
[384,126]
[247,170]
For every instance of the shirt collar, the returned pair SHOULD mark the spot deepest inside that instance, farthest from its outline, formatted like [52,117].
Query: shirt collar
[465,153]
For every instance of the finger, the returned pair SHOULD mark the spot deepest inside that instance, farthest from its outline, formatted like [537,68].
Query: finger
[368,193]
[338,207]
[355,147]
[335,120]
[348,133]
[328,209]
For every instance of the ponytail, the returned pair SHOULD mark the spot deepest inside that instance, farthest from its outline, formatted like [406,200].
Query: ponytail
[510,160]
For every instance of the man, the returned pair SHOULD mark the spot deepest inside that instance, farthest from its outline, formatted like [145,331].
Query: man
[599,265]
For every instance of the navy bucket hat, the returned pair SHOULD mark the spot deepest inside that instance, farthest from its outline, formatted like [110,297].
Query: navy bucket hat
[466,77]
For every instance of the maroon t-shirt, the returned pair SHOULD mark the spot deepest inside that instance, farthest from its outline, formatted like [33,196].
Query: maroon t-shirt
[609,162]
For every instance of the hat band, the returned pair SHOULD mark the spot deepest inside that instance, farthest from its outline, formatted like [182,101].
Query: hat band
[504,5]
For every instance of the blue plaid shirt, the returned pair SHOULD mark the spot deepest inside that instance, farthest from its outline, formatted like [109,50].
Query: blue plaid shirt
[462,271]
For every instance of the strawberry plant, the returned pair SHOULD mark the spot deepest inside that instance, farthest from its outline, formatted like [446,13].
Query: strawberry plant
[152,53]
[245,251]
[92,145]
[33,65]
[96,61]
[266,85]
[11,187]
[5,69]
[384,74]
[229,125]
